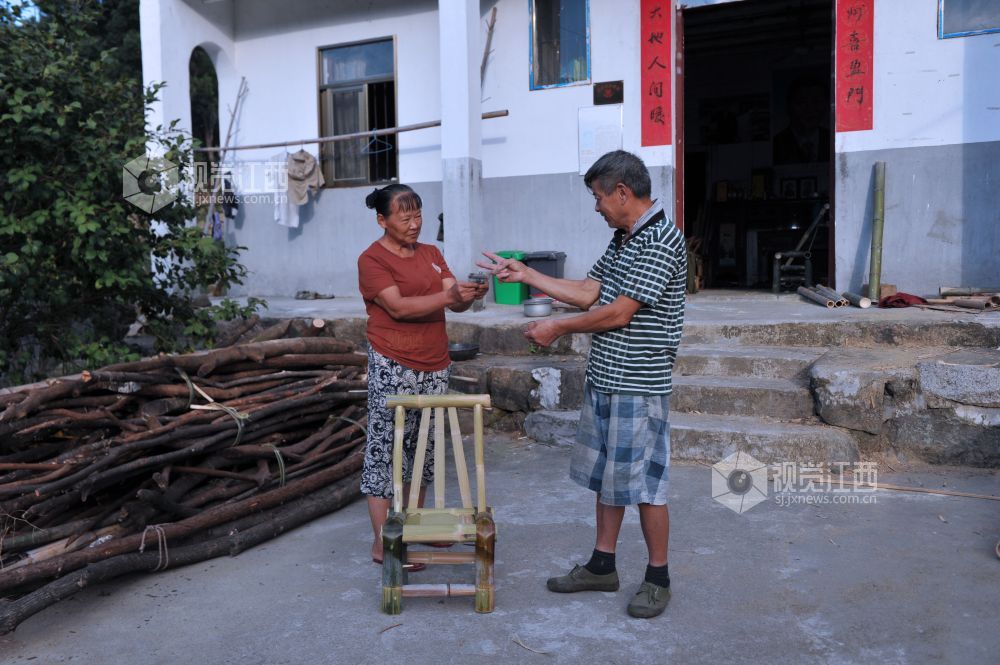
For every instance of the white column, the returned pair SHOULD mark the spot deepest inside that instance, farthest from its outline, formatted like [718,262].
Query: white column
[150,32]
[461,138]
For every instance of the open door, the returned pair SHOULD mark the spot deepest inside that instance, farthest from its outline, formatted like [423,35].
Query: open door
[754,136]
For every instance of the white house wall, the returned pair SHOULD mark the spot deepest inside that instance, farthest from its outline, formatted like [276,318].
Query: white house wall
[170,30]
[937,128]
[534,198]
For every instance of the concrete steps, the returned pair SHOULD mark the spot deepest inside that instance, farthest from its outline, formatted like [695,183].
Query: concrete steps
[726,398]
[781,399]
[767,362]
[710,438]
[728,381]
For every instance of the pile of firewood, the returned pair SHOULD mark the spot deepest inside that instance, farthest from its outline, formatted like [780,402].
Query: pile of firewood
[172,460]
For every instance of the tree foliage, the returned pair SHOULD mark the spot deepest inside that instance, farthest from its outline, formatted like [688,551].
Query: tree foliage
[78,263]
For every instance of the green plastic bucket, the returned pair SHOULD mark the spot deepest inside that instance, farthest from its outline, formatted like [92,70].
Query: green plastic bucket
[510,294]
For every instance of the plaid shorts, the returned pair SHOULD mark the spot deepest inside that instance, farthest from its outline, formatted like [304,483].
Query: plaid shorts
[622,447]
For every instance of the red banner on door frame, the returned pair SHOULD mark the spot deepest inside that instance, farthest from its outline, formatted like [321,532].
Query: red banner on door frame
[855,61]
[656,59]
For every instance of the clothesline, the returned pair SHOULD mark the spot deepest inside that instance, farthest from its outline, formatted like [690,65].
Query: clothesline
[345,137]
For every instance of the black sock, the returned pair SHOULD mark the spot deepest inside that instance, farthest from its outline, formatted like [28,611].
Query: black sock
[601,563]
[658,575]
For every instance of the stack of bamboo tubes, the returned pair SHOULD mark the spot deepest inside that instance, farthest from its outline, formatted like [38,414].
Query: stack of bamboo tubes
[171,460]
[974,298]
[826,296]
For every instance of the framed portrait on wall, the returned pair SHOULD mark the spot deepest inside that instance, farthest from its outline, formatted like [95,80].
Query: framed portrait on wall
[790,188]
[807,188]
[800,116]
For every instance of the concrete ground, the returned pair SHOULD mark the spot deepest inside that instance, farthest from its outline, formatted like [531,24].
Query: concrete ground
[911,578]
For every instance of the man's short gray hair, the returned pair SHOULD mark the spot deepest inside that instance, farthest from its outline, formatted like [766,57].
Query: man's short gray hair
[620,167]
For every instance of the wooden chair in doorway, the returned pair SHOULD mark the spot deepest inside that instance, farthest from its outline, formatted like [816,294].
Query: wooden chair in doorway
[470,524]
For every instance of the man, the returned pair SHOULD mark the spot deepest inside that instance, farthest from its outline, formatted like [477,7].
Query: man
[623,443]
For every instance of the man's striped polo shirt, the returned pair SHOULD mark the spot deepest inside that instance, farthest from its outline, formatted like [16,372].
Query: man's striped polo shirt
[649,266]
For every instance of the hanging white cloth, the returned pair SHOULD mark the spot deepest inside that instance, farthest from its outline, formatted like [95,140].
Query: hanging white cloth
[286,213]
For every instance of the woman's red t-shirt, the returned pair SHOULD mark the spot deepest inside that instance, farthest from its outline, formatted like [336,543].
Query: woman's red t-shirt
[420,344]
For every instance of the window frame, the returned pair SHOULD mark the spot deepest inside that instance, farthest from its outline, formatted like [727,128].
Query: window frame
[531,51]
[320,87]
[951,35]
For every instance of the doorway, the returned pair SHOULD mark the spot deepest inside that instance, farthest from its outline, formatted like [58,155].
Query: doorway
[757,140]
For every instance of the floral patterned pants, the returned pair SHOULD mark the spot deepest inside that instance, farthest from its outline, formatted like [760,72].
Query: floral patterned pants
[388,377]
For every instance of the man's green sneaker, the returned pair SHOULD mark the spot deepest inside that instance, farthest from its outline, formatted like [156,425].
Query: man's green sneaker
[581,579]
[649,601]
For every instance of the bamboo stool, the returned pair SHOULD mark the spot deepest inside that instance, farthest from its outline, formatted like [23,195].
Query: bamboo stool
[468,524]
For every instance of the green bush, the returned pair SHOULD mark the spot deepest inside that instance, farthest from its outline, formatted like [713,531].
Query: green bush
[78,263]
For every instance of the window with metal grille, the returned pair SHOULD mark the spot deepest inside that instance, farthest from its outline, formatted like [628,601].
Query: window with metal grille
[560,43]
[357,93]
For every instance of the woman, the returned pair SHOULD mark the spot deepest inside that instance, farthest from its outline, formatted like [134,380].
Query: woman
[406,285]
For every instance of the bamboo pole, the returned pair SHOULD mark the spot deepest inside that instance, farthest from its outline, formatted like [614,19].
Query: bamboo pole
[452,558]
[455,532]
[815,297]
[439,463]
[418,460]
[945,291]
[422,401]
[397,460]
[838,300]
[437,590]
[486,535]
[857,300]
[346,137]
[969,303]
[461,469]
[878,220]
[486,49]
[480,464]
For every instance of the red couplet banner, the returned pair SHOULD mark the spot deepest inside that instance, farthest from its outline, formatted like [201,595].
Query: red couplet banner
[855,61]
[656,60]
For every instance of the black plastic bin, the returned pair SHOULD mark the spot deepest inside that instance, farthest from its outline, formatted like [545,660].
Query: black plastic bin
[547,263]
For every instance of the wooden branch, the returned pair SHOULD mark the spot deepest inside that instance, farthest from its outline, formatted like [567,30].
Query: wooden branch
[185,528]
[284,519]
[276,331]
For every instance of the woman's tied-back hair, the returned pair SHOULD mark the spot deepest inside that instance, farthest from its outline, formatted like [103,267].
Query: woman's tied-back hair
[620,167]
[380,200]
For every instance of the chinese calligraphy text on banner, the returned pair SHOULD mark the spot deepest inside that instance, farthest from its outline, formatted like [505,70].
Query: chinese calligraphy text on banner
[855,59]
[656,58]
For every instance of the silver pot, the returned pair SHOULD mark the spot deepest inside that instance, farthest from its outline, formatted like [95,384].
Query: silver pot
[538,306]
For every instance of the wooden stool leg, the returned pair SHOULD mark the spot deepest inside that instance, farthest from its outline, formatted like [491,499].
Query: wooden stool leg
[486,534]
[393,554]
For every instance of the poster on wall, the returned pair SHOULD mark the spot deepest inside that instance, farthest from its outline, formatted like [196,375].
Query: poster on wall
[855,62]
[656,61]
[800,115]
[600,131]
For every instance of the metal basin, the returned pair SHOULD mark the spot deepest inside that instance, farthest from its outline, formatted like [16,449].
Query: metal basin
[538,306]
[462,351]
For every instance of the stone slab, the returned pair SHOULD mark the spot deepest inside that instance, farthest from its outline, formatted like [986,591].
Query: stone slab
[969,376]
[742,396]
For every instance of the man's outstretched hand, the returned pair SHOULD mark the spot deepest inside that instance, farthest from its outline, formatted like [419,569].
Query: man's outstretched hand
[506,270]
